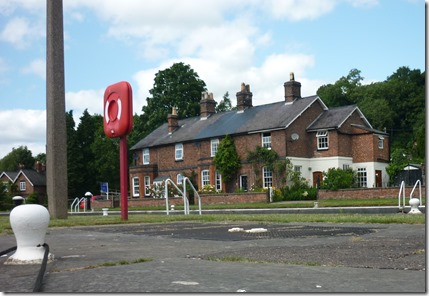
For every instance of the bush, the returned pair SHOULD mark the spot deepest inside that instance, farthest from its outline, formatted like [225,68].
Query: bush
[294,193]
[337,178]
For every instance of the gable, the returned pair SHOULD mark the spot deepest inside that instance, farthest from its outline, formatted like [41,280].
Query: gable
[334,118]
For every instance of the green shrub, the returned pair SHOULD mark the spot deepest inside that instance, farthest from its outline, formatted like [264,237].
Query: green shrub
[336,178]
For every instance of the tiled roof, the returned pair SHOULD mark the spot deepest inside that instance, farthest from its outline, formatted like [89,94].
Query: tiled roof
[35,178]
[332,118]
[258,118]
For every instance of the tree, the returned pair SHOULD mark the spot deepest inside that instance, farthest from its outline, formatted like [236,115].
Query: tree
[106,156]
[227,161]
[18,157]
[178,86]
[343,91]
[225,104]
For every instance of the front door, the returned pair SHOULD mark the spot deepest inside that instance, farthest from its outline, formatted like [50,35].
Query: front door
[317,179]
[378,179]
[243,183]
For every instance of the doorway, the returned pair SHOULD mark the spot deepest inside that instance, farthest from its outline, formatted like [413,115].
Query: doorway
[243,183]
[317,179]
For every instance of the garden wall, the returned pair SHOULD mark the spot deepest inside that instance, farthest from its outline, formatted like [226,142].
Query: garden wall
[379,192]
[233,198]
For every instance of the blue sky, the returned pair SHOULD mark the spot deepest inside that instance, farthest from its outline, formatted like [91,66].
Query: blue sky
[226,42]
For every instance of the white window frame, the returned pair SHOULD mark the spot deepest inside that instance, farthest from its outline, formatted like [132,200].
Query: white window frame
[179,179]
[214,144]
[146,185]
[380,142]
[266,140]
[205,177]
[178,151]
[136,186]
[346,166]
[362,178]
[297,168]
[146,156]
[22,186]
[218,178]
[322,140]
[267,177]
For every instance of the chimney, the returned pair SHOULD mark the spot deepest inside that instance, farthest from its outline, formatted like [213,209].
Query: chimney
[292,89]
[207,105]
[244,98]
[39,167]
[173,121]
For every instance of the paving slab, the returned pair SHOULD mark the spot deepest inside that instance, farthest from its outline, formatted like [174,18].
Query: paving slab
[207,257]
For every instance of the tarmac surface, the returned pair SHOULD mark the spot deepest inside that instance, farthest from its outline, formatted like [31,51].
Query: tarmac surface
[211,257]
[208,257]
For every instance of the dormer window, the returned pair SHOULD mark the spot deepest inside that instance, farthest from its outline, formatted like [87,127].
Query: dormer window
[322,140]
[266,140]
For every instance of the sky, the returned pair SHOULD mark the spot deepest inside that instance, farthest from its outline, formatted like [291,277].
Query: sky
[227,42]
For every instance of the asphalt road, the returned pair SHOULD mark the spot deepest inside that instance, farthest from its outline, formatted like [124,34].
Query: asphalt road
[207,257]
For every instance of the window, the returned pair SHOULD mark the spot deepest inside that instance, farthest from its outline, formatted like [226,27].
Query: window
[179,179]
[136,186]
[268,178]
[214,145]
[361,176]
[205,177]
[297,168]
[322,140]
[218,181]
[346,167]
[266,140]
[5,184]
[146,185]
[146,156]
[22,186]
[380,142]
[179,151]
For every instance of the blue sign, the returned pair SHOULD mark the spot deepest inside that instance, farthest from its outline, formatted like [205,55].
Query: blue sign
[104,187]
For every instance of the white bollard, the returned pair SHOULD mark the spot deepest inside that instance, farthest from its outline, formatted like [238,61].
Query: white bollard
[414,203]
[29,224]
[105,211]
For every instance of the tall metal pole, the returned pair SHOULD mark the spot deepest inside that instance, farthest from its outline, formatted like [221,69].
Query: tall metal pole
[56,132]
[123,175]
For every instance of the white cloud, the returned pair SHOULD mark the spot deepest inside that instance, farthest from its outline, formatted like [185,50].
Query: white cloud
[37,67]
[16,32]
[84,99]
[23,128]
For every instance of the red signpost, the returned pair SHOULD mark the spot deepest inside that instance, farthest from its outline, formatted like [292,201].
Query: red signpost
[118,122]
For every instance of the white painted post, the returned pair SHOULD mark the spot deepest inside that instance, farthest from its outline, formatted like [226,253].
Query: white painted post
[29,224]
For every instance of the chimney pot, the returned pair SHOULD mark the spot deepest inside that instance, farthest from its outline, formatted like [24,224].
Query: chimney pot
[244,98]
[292,89]
[207,105]
[173,120]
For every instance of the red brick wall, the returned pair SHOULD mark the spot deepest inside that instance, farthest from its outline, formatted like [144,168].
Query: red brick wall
[233,198]
[391,192]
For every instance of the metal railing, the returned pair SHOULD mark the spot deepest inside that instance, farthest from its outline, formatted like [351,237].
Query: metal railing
[76,204]
[186,180]
[185,199]
[402,193]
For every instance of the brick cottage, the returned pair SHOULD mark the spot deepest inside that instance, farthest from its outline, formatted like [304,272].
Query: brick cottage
[302,129]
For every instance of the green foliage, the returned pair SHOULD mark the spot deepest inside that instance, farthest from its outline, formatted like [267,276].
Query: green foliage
[5,198]
[295,193]
[32,198]
[398,160]
[336,178]
[178,86]
[226,160]
[225,104]
[208,189]
[259,158]
[20,156]
[396,104]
